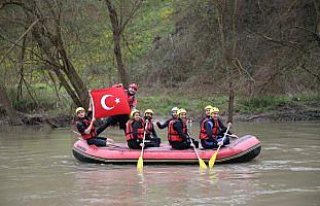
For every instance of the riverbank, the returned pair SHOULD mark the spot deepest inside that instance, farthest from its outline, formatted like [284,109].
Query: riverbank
[276,108]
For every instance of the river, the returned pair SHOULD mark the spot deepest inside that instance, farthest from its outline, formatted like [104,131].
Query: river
[37,168]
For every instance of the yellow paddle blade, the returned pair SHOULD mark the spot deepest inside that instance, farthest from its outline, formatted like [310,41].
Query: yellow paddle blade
[213,159]
[202,164]
[140,164]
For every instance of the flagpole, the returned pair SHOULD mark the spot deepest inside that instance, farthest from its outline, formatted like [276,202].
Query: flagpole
[92,104]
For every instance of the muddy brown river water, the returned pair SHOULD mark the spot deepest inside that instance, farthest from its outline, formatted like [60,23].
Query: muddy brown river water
[37,168]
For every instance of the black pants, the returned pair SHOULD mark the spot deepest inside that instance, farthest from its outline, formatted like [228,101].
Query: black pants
[225,141]
[135,143]
[98,141]
[153,141]
[186,144]
[117,119]
[211,144]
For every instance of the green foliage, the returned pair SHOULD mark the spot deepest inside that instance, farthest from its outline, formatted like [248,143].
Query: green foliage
[162,105]
[269,103]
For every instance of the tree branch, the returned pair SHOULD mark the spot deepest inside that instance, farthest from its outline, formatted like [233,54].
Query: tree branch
[25,33]
[137,5]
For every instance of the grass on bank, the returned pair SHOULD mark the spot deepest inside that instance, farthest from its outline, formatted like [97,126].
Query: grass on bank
[47,101]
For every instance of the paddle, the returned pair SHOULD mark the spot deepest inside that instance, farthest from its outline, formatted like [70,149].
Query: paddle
[214,156]
[202,164]
[140,160]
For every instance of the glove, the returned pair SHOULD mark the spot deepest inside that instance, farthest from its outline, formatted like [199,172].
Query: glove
[158,124]
[220,143]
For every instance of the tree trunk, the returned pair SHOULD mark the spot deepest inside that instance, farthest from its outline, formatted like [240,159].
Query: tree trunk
[68,88]
[231,100]
[116,30]
[21,69]
[51,45]
[74,78]
[10,111]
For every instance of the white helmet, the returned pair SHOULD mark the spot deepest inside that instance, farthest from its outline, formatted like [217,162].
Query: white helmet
[174,109]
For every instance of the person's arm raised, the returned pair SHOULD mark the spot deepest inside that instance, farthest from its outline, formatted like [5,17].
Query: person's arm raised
[88,130]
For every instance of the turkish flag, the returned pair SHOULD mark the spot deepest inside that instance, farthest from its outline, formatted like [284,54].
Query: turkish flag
[109,101]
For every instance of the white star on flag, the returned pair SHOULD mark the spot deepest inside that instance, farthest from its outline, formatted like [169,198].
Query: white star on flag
[117,100]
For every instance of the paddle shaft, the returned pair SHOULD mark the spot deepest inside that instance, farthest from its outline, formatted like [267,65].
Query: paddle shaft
[195,150]
[214,155]
[202,164]
[225,134]
[144,137]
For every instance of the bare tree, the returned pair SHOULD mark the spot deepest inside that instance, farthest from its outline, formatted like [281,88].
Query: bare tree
[119,21]
[47,33]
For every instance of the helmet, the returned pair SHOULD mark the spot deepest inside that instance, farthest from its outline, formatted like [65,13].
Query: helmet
[148,111]
[214,109]
[133,86]
[79,109]
[181,111]
[208,107]
[133,112]
[174,109]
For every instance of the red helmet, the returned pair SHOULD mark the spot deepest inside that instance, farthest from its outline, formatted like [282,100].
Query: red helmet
[133,86]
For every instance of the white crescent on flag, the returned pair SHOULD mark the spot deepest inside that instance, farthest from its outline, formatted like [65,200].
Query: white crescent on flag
[103,102]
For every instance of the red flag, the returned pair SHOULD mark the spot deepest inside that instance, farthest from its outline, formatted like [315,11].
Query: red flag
[109,101]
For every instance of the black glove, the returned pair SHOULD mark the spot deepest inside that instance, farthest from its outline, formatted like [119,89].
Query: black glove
[158,124]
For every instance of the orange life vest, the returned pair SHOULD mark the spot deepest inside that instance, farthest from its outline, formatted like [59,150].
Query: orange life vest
[92,133]
[173,135]
[203,132]
[149,127]
[129,130]
[132,101]
[215,128]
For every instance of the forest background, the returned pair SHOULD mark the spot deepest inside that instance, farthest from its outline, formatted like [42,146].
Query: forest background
[254,59]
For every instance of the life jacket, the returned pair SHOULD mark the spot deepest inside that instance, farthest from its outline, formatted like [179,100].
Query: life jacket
[215,128]
[173,135]
[132,101]
[203,132]
[129,129]
[92,133]
[149,127]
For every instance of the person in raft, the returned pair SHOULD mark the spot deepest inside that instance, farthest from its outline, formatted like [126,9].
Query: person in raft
[206,134]
[178,133]
[132,101]
[218,129]
[207,113]
[85,126]
[151,134]
[173,116]
[135,131]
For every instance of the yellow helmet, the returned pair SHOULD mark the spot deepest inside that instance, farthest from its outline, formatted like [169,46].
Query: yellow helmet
[133,112]
[214,109]
[148,111]
[181,111]
[208,107]
[79,109]
[174,109]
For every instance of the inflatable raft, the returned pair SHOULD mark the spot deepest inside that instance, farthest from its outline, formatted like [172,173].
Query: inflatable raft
[242,149]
